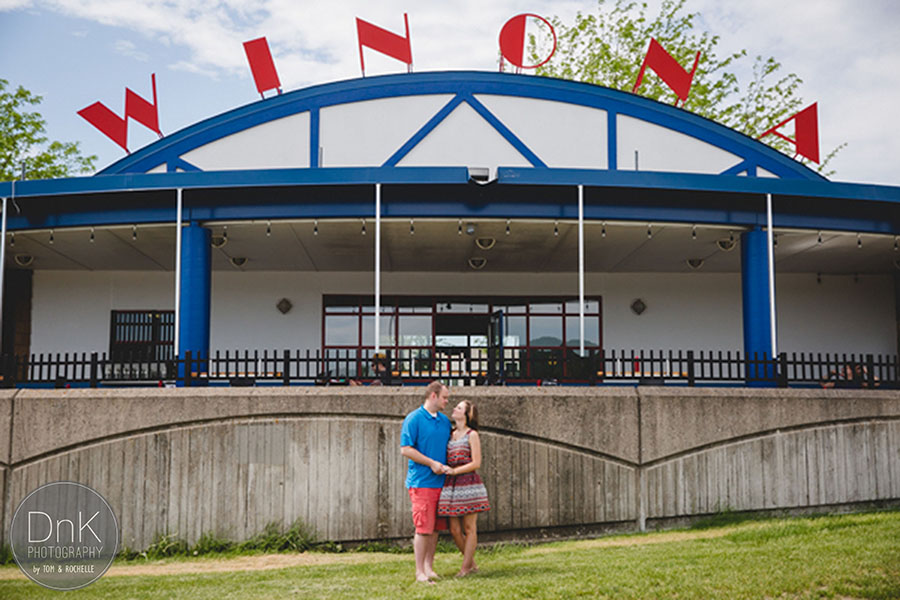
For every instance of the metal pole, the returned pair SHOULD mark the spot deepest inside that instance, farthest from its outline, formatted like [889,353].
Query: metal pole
[2,262]
[178,211]
[771,274]
[581,270]
[377,267]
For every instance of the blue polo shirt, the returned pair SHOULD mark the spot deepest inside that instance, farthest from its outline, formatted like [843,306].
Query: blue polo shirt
[429,435]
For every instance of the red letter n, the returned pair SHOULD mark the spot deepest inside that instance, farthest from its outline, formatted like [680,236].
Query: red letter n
[668,70]
[384,41]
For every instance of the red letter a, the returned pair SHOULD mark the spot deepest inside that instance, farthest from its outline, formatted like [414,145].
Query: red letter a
[806,132]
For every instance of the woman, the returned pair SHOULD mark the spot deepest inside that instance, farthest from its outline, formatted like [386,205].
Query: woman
[464,494]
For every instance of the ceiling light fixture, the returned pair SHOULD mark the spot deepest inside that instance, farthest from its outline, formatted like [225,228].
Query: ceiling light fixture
[23,260]
[485,243]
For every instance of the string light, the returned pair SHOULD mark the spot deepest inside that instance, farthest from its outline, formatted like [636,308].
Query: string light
[649,232]
[859,240]
[507,227]
[775,240]
[459,228]
[731,236]
[134,233]
[225,232]
[819,239]
[556,228]
[51,236]
[694,232]
[363,232]
[268,228]
[12,241]
[895,243]
[92,235]
[315,227]
[603,230]
[412,228]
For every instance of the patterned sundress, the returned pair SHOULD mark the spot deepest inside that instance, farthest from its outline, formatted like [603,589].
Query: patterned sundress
[462,494]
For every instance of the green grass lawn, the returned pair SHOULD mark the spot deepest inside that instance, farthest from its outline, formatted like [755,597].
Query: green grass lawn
[848,556]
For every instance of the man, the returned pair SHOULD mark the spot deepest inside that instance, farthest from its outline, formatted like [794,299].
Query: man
[423,441]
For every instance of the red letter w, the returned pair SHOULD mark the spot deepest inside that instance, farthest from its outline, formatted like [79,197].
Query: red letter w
[115,127]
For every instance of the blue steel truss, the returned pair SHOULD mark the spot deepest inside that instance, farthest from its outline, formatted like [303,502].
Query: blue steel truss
[464,86]
[126,193]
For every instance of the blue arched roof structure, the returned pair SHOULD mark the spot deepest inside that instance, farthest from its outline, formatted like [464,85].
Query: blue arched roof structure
[463,86]
[125,193]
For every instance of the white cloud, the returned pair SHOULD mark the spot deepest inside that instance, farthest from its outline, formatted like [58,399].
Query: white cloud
[128,48]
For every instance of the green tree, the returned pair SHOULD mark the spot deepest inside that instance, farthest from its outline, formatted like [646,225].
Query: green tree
[22,139]
[607,49]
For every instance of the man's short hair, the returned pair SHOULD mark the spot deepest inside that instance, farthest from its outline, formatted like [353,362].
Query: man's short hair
[434,387]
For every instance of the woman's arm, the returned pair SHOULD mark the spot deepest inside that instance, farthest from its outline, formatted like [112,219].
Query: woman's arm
[416,456]
[475,445]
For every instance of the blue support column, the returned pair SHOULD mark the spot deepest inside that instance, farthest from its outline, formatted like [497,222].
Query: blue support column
[196,279]
[757,318]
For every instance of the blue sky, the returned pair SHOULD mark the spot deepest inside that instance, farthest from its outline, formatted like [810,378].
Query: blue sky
[75,52]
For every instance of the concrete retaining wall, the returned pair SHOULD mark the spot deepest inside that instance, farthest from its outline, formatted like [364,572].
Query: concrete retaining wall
[567,460]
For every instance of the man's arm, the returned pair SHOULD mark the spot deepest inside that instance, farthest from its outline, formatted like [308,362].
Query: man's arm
[416,456]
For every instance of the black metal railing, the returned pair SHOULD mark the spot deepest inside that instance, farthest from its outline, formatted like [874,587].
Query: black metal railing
[518,366]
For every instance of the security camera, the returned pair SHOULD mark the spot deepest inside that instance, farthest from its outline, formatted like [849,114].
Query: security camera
[480,175]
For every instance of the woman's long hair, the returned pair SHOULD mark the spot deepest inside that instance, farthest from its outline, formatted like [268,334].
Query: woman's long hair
[471,415]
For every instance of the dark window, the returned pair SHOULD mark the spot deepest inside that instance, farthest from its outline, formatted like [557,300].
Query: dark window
[145,335]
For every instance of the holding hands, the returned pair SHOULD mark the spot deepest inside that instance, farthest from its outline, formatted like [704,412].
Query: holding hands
[440,469]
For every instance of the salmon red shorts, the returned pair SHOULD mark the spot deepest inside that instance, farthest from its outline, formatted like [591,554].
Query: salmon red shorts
[424,510]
